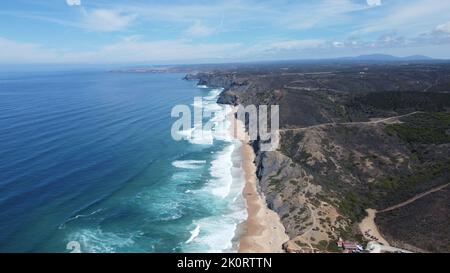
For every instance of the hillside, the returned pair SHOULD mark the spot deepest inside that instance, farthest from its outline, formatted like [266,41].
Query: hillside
[352,137]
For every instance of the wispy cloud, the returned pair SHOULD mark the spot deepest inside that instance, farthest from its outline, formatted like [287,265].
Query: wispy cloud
[292,44]
[200,30]
[445,28]
[138,50]
[106,20]
[128,49]
[306,15]
[440,35]
[73,2]
[239,29]
[374,3]
[20,52]
[99,20]
[408,16]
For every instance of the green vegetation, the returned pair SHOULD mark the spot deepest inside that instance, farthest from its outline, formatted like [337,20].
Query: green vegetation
[322,245]
[290,147]
[276,184]
[389,183]
[429,173]
[349,234]
[301,244]
[326,246]
[423,128]
[353,206]
[264,96]
[332,247]
[368,165]
[412,101]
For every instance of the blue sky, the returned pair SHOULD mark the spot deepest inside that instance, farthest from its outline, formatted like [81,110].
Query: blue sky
[181,31]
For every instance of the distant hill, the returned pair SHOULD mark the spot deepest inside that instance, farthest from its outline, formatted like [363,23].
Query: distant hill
[389,58]
[351,140]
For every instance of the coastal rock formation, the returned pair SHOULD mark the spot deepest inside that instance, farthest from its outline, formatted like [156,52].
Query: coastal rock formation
[351,139]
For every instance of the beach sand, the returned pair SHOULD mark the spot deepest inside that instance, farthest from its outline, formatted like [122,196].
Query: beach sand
[369,228]
[263,231]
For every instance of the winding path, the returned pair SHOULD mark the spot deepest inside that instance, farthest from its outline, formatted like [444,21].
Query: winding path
[352,123]
[368,226]
[409,201]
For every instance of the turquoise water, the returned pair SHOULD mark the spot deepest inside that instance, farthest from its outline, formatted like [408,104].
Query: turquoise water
[88,157]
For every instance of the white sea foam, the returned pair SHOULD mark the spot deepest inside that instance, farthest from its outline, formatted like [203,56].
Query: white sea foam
[188,164]
[202,137]
[220,171]
[97,241]
[160,203]
[217,232]
[218,128]
[214,94]
[78,216]
[226,184]
[194,234]
[212,107]
[224,189]
[186,133]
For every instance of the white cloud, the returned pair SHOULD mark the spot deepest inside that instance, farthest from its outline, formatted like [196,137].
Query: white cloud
[19,52]
[394,25]
[103,20]
[129,49]
[251,13]
[338,44]
[73,2]
[293,44]
[439,35]
[199,30]
[306,15]
[445,28]
[136,50]
[413,17]
[106,20]
[276,49]
[374,3]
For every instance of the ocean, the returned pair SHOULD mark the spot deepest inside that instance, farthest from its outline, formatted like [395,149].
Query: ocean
[87,163]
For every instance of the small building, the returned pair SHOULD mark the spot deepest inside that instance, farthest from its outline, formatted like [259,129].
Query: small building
[350,246]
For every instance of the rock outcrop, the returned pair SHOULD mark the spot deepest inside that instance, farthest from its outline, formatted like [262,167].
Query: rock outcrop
[339,154]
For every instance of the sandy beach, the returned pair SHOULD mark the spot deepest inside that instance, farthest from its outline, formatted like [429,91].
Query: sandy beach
[370,230]
[263,231]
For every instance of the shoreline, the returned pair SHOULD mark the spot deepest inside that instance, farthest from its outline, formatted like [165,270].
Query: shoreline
[263,231]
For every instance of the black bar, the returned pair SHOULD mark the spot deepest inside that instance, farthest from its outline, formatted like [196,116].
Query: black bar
[225,262]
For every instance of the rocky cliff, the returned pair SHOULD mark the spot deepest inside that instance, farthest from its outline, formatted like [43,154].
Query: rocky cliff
[342,152]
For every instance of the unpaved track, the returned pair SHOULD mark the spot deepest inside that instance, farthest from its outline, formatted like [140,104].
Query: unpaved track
[409,201]
[384,120]
[368,226]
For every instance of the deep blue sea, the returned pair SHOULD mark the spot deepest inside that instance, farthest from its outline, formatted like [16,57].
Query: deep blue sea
[87,158]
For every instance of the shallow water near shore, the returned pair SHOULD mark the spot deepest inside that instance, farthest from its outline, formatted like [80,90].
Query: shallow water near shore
[88,157]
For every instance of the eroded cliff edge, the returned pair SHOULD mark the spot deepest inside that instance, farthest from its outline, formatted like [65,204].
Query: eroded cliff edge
[342,152]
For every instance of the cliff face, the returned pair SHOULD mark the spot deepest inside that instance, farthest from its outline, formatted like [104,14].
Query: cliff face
[214,80]
[285,184]
[340,153]
[242,89]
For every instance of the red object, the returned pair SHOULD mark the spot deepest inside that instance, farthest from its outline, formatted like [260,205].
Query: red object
[350,246]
